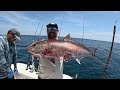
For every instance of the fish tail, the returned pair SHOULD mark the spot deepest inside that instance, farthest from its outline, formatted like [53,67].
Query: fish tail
[94,53]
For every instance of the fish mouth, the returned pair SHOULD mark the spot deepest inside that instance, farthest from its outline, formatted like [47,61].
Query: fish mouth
[30,49]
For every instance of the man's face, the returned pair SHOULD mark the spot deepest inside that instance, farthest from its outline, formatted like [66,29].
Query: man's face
[52,32]
[10,37]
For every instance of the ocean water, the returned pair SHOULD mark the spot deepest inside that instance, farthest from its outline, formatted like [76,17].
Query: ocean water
[88,69]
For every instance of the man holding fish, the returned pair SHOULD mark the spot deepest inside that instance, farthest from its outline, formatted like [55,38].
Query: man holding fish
[53,52]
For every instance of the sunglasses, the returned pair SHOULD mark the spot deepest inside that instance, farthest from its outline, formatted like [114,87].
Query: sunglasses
[52,29]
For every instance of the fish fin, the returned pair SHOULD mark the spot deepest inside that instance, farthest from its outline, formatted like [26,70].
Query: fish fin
[68,38]
[94,55]
[78,60]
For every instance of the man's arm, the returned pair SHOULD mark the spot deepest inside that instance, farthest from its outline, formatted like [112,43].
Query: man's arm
[67,57]
[3,58]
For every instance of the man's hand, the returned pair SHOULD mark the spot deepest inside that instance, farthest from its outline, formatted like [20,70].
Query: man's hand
[67,57]
[15,70]
[10,75]
[35,56]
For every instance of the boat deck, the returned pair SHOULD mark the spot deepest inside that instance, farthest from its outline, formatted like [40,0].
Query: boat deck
[28,74]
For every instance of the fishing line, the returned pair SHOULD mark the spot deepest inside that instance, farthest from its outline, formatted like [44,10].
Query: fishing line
[40,33]
[108,60]
[61,25]
[36,31]
[83,29]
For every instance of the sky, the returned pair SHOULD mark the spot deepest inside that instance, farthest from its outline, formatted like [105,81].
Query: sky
[97,25]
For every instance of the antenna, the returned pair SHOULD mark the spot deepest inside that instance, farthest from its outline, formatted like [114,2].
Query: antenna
[83,29]
[61,25]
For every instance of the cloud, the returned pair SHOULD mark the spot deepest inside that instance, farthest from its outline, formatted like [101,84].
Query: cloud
[8,17]
[18,20]
[17,17]
[116,12]
[103,36]
[22,16]
[70,13]
[27,23]
[76,19]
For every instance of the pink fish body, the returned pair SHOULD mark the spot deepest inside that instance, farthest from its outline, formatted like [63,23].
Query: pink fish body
[60,48]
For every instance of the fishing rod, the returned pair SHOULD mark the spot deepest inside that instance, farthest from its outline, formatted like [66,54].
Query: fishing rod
[108,60]
[83,29]
[40,33]
[61,25]
[36,31]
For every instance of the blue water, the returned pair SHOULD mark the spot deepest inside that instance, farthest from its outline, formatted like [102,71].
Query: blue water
[88,69]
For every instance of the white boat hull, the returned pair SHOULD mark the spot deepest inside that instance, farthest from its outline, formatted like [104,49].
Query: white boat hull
[27,74]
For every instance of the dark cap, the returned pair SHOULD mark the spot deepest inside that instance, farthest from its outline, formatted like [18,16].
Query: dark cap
[52,25]
[16,33]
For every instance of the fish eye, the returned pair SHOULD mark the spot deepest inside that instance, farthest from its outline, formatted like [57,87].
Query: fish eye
[34,44]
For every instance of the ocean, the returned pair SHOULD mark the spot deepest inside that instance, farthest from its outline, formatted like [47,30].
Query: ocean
[88,69]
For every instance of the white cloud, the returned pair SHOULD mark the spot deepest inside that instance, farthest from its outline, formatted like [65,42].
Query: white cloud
[116,12]
[75,18]
[103,36]
[17,20]
[9,18]
[69,12]
[28,25]
[16,17]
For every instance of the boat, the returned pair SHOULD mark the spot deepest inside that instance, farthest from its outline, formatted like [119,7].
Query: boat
[30,73]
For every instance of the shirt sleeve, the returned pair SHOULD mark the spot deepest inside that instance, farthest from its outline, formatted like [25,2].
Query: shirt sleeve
[3,60]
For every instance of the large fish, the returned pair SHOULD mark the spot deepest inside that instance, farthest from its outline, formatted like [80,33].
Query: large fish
[60,48]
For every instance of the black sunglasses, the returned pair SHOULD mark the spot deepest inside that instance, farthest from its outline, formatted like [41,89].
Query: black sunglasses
[49,29]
